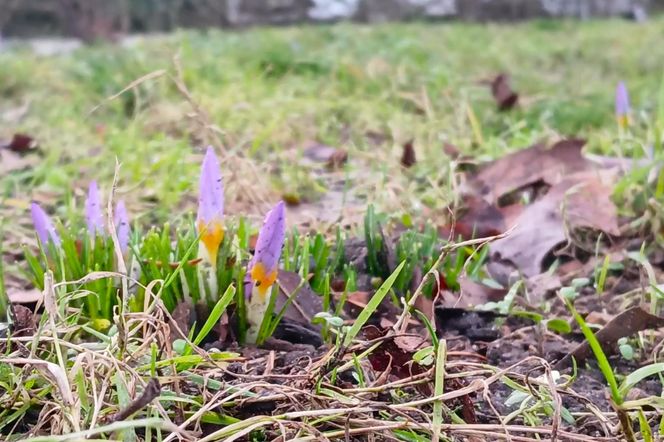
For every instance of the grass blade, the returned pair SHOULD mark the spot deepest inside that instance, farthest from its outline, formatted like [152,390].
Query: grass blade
[216,313]
[372,305]
[602,360]
[638,375]
[439,387]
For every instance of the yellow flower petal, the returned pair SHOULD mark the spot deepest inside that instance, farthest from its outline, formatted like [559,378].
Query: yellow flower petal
[623,121]
[262,278]
[212,235]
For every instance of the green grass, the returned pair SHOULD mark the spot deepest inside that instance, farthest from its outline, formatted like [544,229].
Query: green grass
[269,91]
[266,93]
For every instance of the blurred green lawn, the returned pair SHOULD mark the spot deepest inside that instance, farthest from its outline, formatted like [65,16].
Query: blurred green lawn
[270,91]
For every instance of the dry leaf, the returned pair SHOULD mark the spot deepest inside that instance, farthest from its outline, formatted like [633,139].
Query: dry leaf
[395,353]
[451,150]
[480,219]
[24,321]
[296,326]
[529,166]
[21,143]
[328,155]
[408,156]
[23,296]
[471,294]
[182,316]
[581,200]
[625,324]
[306,303]
[502,92]
[589,203]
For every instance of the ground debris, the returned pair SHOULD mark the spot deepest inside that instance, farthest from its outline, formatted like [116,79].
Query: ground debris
[625,324]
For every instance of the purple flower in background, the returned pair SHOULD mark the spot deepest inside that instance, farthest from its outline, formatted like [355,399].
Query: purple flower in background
[43,226]
[622,105]
[209,220]
[93,213]
[264,265]
[121,221]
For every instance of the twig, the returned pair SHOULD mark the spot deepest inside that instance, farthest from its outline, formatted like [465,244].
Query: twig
[402,322]
[152,391]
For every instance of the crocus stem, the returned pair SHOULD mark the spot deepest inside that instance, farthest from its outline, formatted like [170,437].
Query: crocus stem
[257,306]
[207,283]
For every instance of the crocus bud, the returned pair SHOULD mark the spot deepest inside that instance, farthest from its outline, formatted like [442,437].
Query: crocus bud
[263,268]
[43,226]
[93,212]
[622,105]
[209,221]
[121,221]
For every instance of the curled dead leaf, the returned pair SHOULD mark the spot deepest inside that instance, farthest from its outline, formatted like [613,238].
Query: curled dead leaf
[502,92]
[408,156]
[21,143]
[332,157]
[471,294]
[625,324]
[525,167]
[23,296]
[24,321]
[581,200]
[395,353]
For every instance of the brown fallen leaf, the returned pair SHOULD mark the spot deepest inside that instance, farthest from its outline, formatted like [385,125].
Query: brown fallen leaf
[25,323]
[471,294]
[395,353]
[23,296]
[502,92]
[182,316]
[451,150]
[598,318]
[355,302]
[408,156]
[479,219]
[323,154]
[625,324]
[338,285]
[588,202]
[579,201]
[540,286]
[306,304]
[21,143]
[296,326]
[338,159]
[223,327]
[529,166]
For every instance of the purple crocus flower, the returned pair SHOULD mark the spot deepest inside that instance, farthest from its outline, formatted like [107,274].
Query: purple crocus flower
[264,265]
[121,221]
[93,212]
[209,220]
[43,226]
[622,105]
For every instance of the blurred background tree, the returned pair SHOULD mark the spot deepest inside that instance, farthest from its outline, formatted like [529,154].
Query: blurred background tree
[104,19]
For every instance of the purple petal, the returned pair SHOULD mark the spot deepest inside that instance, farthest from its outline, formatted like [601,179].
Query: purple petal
[93,212]
[123,229]
[622,100]
[211,190]
[271,238]
[43,225]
